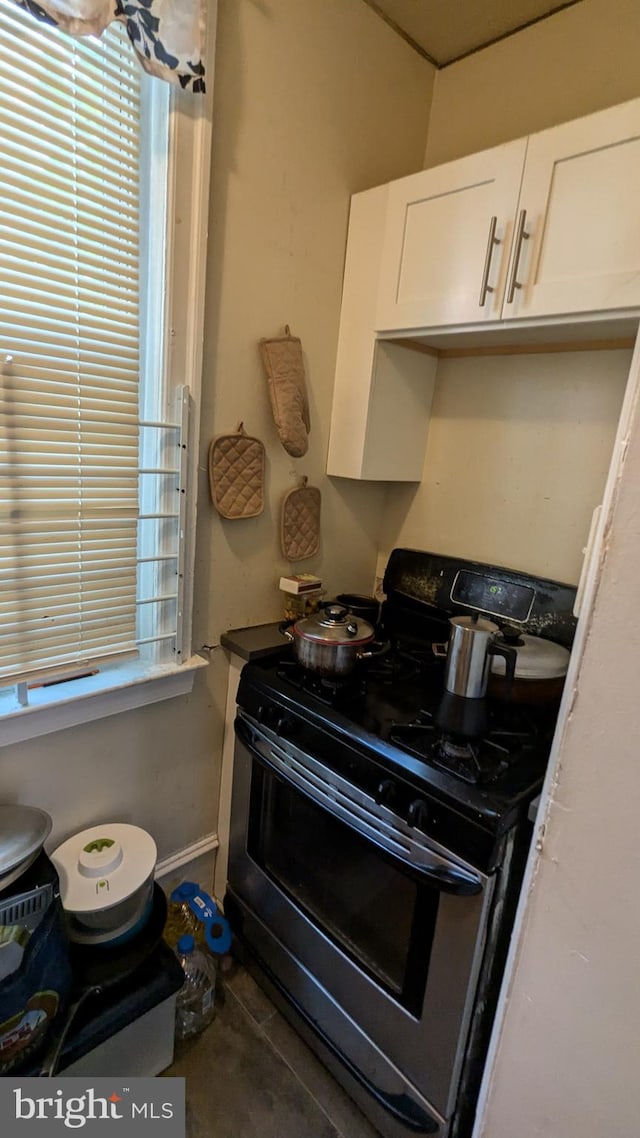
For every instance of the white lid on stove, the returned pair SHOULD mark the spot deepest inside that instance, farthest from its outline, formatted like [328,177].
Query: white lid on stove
[103,865]
[537,659]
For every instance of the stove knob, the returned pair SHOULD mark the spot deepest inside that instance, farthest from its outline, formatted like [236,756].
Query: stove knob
[418,814]
[386,792]
[285,726]
[262,714]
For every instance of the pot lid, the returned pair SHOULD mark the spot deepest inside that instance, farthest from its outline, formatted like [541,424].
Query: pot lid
[23,831]
[102,866]
[334,624]
[537,659]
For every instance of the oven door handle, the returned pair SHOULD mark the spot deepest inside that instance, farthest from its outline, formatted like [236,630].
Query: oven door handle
[439,872]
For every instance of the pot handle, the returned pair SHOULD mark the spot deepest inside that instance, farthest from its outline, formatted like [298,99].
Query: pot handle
[374,652]
[284,630]
[509,655]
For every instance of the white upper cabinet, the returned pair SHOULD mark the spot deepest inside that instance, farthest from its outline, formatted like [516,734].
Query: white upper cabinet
[447,236]
[547,226]
[536,238]
[577,240]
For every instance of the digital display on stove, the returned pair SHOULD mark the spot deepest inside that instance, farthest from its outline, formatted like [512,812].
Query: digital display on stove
[490,595]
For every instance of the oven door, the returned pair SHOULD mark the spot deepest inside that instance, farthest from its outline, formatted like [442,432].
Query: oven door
[364,922]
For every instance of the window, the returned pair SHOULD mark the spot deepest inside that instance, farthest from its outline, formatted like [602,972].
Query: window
[100,330]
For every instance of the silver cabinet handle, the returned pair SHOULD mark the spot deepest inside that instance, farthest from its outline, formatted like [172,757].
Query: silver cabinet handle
[485,287]
[521,236]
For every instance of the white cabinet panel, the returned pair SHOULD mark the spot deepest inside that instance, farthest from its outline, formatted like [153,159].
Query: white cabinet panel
[439,262]
[382,393]
[580,195]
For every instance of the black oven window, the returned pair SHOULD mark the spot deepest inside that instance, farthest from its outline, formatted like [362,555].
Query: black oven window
[361,899]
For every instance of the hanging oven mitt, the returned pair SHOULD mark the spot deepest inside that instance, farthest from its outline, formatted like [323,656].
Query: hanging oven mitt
[236,475]
[300,523]
[282,359]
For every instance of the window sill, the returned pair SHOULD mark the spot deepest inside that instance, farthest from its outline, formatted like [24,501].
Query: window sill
[118,687]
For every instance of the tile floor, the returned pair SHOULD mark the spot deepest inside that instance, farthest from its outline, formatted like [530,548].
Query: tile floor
[250,1076]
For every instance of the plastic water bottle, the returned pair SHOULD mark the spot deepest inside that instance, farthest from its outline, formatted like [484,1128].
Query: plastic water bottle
[191,910]
[181,919]
[195,1004]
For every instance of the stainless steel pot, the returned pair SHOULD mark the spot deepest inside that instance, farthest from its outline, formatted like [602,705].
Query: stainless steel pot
[331,641]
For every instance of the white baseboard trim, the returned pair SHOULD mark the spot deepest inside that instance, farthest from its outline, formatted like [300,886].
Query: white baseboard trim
[184,856]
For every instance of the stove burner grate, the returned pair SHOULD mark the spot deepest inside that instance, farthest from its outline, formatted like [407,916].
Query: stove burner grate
[474,761]
[477,761]
[403,662]
[331,690]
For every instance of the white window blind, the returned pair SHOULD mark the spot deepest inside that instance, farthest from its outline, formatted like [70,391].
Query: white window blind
[69,347]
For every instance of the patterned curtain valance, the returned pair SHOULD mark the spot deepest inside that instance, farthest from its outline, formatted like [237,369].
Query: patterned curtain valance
[168,35]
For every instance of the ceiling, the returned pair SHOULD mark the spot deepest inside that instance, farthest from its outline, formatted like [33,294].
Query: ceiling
[446,30]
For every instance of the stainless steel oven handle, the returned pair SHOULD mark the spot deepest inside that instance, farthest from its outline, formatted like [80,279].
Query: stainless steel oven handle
[442,874]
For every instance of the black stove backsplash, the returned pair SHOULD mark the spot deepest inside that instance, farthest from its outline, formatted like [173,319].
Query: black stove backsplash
[424,589]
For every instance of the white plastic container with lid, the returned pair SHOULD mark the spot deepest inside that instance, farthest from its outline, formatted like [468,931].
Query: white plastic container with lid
[195,1005]
[106,882]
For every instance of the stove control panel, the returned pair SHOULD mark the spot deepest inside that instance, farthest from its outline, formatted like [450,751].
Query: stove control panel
[484,593]
[387,792]
[270,715]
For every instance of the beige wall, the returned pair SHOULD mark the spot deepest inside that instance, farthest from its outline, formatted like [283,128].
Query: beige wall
[517,456]
[313,99]
[575,62]
[150,767]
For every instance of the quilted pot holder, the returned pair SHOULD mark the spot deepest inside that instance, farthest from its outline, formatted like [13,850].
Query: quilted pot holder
[282,359]
[236,475]
[300,523]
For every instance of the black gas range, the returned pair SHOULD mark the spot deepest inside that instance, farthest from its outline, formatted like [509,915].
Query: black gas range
[377,849]
[380,726]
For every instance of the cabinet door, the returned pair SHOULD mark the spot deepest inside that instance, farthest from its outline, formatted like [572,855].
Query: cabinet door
[447,236]
[579,213]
